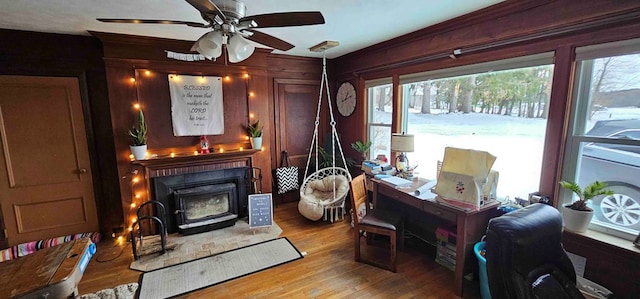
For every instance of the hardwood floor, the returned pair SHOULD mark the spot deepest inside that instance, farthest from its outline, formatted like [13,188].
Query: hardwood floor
[327,271]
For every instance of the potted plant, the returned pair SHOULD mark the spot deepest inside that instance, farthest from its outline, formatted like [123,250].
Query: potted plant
[255,134]
[362,148]
[577,215]
[139,138]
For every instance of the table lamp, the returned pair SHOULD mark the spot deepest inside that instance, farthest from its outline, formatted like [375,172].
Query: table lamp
[401,143]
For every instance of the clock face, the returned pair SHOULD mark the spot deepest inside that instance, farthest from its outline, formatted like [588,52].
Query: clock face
[346,99]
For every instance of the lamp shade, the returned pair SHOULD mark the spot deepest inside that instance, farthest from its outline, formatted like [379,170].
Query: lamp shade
[209,45]
[239,48]
[401,143]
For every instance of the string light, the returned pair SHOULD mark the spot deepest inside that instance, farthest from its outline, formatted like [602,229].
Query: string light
[138,197]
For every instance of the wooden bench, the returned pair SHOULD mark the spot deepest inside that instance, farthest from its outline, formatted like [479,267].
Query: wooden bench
[49,273]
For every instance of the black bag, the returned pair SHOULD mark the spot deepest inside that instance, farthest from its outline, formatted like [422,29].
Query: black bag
[286,176]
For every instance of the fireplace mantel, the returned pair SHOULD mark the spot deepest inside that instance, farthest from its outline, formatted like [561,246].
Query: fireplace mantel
[187,160]
[166,165]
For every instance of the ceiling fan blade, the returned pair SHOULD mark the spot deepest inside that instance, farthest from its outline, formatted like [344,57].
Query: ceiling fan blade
[207,8]
[137,21]
[284,19]
[268,40]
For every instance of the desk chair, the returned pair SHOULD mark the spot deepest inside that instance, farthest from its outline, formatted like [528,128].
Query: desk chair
[525,257]
[374,221]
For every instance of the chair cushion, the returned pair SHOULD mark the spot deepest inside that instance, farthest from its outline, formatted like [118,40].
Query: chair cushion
[524,246]
[382,219]
[310,209]
[322,190]
[555,285]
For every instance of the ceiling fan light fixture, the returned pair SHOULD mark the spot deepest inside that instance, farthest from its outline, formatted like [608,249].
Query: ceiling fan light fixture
[209,45]
[239,48]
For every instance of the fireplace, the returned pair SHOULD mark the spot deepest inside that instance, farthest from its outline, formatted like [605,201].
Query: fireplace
[205,208]
[202,201]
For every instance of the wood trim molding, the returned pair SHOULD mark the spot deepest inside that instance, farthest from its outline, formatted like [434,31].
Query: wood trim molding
[509,41]
[196,160]
[184,67]
[529,23]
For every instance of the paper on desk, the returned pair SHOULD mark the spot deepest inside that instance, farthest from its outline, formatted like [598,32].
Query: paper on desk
[397,181]
[424,191]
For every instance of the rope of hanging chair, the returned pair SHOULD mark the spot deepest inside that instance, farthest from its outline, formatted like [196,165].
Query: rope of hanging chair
[334,133]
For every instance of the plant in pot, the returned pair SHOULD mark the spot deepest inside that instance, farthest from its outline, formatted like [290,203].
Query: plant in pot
[139,138]
[577,215]
[255,134]
[362,148]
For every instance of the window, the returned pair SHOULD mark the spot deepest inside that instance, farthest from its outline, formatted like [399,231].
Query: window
[499,107]
[380,110]
[603,143]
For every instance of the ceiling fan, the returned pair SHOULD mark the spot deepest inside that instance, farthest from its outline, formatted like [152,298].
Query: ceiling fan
[232,28]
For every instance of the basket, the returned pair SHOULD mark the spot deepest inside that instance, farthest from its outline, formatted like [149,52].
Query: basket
[482,269]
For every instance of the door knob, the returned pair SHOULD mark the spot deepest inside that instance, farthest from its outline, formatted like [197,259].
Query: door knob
[82,170]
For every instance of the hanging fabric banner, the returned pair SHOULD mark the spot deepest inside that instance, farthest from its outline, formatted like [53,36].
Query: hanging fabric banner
[196,105]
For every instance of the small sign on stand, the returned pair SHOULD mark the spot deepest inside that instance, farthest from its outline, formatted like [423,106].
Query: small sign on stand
[260,211]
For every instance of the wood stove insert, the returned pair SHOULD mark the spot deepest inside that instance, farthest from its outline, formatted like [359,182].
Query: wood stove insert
[205,208]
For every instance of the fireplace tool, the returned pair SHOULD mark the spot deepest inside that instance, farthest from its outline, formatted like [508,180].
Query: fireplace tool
[161,221]
[254,179]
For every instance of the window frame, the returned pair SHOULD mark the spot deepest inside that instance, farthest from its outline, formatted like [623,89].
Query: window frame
[369,85]
[576,133]
[525,61]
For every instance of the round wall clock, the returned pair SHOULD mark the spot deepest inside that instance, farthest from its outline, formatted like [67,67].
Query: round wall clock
[346,99]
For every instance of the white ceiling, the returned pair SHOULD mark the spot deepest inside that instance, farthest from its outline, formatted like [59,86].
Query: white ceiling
[355,24]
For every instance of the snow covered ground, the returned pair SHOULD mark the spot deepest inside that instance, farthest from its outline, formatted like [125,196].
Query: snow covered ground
[516,142]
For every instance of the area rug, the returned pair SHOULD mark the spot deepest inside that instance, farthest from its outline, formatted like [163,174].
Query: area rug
[205,272]
[123,291]
[181,249]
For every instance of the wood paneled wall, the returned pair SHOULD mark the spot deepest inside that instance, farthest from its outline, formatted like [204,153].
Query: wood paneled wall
[124,54]
[104,64]
[505,30]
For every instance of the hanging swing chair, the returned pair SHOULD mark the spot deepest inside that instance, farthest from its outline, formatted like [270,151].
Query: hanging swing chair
[323,192]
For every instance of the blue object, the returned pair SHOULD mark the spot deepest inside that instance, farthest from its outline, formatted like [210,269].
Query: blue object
[507,208]
[482,270]
[84,261]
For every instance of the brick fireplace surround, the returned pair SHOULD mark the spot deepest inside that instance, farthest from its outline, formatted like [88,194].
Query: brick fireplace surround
[164,175]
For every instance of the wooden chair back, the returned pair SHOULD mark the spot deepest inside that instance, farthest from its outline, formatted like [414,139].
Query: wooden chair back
[359,197]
